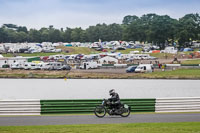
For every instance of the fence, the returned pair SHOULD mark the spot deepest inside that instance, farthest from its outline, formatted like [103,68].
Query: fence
[37,107]
[187,104]
[19,107]
[87,106]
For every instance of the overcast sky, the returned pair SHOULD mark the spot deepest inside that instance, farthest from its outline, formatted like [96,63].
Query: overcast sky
[84,13]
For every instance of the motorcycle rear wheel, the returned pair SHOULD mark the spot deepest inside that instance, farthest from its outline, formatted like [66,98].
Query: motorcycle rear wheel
[100,111]
[126,112]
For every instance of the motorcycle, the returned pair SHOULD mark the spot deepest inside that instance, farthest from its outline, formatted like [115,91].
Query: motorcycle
[107,107]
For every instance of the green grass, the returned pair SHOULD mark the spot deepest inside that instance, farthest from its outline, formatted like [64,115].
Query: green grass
[178,74]
[162,55]
[197,61]
[182,127]
[29,55]
[72,50]
[168,74]
[7,55]
[78,50]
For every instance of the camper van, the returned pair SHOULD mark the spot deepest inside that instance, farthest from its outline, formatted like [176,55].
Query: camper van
[143,68]
[58,66]
[28,66]
[31,66]
[89,65]
[16,66]
[43,66]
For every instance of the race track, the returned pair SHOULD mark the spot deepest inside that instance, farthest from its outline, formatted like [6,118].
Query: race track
[91,119]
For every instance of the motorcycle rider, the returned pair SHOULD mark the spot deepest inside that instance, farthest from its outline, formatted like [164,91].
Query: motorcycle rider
[115,100]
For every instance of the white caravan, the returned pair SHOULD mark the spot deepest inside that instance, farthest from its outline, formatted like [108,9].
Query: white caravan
[142,68]
[89,65]
[170,50]
[16,65]
[31,66]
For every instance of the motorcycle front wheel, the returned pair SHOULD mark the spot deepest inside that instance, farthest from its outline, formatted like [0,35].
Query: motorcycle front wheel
[100,111]
[126,112]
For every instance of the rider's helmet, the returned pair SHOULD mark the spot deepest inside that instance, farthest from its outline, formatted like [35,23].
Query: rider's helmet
[112,92]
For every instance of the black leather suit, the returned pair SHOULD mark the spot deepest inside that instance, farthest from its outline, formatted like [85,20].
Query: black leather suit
[115,100]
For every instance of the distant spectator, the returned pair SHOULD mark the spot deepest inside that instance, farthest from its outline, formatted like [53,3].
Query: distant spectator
[159,66]
[152,68]
[163,67]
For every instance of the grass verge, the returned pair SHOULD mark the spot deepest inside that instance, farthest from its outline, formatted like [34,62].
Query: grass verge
[175,74]
[70,50]
[181,127]
[191,62]
[40,74]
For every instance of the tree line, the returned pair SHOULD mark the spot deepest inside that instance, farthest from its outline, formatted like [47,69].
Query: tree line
[149,28]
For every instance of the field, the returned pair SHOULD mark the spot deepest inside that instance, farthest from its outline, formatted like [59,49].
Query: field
[86,51]
[66,51]
[175,74]
[182,127]
[70,51]
[197,61]
[102,74]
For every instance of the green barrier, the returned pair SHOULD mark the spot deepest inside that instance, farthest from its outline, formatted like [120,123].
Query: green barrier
[33,59]
[107,65]
[87,106]
[189,64]
[132,64]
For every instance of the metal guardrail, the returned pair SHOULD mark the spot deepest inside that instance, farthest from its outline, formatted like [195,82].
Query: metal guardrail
[190,64]
[88,106]
[38,107]
[20,107]
[187,104]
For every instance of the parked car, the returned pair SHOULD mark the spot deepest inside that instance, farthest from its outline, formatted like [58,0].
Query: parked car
[6,66]
[104,50]
[120,48]
[98,49]
[66,67]
[131,69]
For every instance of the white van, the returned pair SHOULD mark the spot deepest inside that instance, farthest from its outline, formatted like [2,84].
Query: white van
[142,68]
[89,65]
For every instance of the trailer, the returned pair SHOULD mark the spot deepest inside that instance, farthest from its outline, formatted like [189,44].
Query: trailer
[89,65]
[143,68]
[17,65]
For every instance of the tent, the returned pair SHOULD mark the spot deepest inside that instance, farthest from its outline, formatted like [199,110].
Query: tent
[156,51]
[68,45]
[108,60]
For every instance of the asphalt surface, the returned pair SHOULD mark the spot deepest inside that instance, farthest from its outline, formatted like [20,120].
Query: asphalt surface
[91,119]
